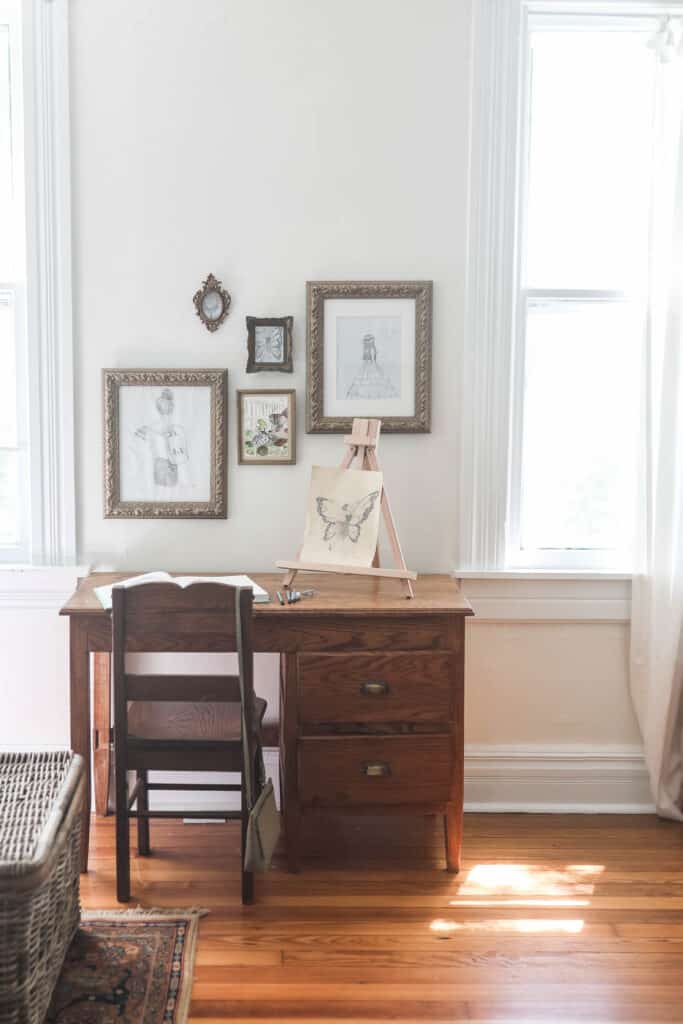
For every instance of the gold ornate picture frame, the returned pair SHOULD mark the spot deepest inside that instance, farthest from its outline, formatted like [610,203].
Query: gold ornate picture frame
[369,355]
[165,444]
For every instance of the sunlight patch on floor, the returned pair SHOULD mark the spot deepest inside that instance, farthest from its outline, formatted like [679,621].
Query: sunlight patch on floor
[530,880]
[511,902]
[527,926]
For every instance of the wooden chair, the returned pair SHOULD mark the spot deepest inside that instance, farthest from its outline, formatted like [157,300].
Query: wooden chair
[182,722]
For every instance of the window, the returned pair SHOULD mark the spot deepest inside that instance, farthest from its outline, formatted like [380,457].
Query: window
[587,142]
[37,504]
[14,466]
[561,173]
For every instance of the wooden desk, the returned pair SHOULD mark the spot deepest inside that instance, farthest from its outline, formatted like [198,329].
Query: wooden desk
[372,696]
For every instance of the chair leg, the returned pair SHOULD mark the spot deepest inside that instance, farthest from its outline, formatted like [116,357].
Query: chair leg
[122,838]
[247,876]
[143,823]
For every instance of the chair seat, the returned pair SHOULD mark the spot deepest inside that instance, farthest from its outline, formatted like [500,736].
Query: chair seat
[180,720]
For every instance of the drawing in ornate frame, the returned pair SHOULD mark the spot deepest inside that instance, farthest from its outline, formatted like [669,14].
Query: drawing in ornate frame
[271,424]
[263,355]
[369,354]
[165,444]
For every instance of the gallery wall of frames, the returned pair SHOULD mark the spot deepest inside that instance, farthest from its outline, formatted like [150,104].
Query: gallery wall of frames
[368,354]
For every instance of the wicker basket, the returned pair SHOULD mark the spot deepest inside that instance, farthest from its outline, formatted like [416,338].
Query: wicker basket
[41,796]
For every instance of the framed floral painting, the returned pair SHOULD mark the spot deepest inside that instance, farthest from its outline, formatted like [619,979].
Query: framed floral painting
[266,431]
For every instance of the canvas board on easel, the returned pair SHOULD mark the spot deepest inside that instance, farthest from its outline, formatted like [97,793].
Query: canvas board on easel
[342,517]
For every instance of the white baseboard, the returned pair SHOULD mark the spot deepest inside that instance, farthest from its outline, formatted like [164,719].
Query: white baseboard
[506,779]
[557,780]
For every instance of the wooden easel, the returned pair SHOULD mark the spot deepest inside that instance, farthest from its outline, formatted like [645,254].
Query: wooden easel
[362,444]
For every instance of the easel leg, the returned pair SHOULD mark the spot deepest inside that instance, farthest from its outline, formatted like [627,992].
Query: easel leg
[399,560]
[288,579]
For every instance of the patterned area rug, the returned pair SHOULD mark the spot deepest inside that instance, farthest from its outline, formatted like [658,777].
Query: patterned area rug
[128,967]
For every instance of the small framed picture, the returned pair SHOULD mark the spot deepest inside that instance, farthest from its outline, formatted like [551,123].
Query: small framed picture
[369,354]
[165,444]
[266,430]
[269,343]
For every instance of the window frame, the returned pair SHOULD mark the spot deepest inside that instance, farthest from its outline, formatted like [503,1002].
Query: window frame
[493,366]
[44,298]
[13,292]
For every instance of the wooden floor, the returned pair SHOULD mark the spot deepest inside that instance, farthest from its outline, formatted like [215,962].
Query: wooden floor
[552,918]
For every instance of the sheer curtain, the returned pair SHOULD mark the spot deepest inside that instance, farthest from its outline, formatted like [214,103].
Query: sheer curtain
[657,610]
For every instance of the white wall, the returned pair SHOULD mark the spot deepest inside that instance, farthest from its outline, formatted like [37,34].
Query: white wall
[271,143]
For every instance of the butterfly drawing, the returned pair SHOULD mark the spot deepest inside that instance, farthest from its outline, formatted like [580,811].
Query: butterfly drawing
[344,521]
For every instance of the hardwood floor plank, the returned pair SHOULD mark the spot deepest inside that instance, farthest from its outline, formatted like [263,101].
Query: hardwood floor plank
[551,919]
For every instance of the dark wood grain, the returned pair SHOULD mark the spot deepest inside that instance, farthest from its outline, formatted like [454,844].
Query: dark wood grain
[329,643]
[182,687]
[332,770]
[183,734]
[183,720]
[377,687]
[79,711]
[338,595]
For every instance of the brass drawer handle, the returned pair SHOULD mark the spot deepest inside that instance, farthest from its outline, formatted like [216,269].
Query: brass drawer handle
[374,689]
[376,769]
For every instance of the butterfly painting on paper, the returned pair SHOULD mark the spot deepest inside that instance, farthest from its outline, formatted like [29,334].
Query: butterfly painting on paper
[342,520]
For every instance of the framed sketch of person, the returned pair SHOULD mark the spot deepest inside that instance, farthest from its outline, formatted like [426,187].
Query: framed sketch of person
[369,355]
[165,444]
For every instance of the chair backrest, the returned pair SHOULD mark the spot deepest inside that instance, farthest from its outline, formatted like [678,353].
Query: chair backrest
[204,617]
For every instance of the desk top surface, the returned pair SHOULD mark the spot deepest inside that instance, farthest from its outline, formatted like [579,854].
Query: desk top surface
[336,595]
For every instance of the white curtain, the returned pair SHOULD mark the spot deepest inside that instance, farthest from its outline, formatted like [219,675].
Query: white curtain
[657,611]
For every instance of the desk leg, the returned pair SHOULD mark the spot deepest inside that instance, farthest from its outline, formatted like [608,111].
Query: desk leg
[454,812]
[80,717]
[453,834]
[102,724]
[288,746]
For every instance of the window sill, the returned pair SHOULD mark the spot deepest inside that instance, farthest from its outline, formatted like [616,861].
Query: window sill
[547,595]
[37,586]
[593,575]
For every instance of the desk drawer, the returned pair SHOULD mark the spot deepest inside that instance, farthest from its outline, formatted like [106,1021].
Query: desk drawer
[402,687]
[375,770]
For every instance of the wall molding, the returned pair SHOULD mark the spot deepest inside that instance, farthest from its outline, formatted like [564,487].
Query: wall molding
[557,779]
[536,598]
[49,291]
[38,588]
[490,292]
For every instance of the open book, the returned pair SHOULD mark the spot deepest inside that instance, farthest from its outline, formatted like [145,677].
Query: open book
[104,593]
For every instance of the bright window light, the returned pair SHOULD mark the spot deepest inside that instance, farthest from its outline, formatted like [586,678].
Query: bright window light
[583,216]
[580,396]
[590,139]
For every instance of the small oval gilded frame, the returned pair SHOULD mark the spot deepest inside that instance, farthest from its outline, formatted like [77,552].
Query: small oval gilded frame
[212,303]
